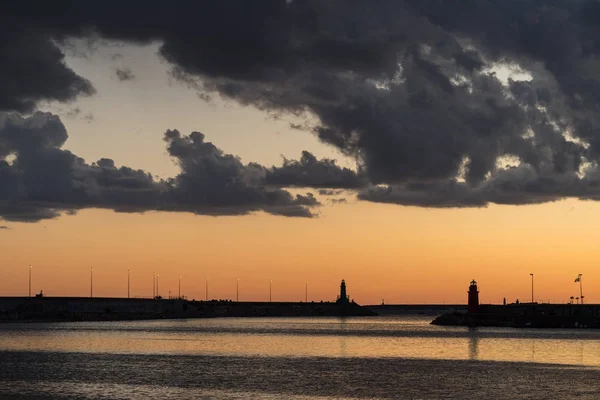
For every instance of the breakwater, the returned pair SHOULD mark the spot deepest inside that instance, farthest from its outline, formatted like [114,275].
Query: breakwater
[101,309]
[526,315]
[415,309]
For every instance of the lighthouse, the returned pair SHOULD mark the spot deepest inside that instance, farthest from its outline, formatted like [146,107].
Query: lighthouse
[343,298]
[473,298]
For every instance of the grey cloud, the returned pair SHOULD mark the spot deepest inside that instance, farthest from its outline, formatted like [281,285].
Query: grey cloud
[43,180]
[404,87]
[512,186]
[73,112]
[76,112]
[33,69]
[329,192]
[213,182]
[124,74]
[310,172]
[89,117]
[339,201]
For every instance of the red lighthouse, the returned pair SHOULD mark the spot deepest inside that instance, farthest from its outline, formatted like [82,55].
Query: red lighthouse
[473,298]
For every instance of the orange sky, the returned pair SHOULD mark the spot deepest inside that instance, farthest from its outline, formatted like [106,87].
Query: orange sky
[400,254]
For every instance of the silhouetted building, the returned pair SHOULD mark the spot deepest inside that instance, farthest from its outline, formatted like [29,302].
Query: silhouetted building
[473,298]
[343,297]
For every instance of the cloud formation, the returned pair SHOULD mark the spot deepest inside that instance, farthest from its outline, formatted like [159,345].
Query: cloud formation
[212,182]
[411,89]
[124,74]
[33,69]
[40,180]
[310,172]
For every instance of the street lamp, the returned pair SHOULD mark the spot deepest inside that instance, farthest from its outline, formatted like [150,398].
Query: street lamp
[153,284]
[128,283]
[306,291]
[531,288]
[157,293]
[91,282]
[578,279]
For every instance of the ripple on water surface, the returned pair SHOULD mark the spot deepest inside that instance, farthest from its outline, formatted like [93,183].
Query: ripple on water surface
[295,358]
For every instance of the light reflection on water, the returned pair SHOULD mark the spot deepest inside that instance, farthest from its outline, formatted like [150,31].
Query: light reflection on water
[389,337]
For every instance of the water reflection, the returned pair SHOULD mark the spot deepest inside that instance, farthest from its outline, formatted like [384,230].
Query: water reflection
[473,344]
[343,344]
[380,337]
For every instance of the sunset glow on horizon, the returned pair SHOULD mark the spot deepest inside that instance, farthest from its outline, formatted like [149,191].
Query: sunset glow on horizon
[398,254]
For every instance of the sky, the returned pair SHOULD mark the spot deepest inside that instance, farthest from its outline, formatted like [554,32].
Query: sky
[407,148]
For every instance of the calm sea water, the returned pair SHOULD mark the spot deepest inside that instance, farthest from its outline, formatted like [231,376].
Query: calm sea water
[294,358]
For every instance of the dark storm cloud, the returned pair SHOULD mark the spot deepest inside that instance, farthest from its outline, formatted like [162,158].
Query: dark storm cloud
[512,186]
[407,88]
[33,69]
[330,192]
[40,180]
[212,182]
[310,172]
[124,74]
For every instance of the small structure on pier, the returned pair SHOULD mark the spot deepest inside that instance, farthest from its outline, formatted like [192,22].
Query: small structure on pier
[343,297]
[473,307]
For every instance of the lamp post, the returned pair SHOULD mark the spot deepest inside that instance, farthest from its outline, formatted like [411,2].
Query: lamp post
[157,293]
[30,280]
[580,287]
[128,283]
[91,282]
[531,288]
[153,284]
[578,279]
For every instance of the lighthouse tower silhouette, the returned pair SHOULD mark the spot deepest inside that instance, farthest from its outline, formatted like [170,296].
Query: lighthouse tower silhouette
[473,307]
[343,297]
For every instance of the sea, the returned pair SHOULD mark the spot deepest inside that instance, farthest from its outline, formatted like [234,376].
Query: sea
[395,357]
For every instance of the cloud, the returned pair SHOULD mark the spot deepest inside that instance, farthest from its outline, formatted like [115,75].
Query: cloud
[124,74]
[339,201]
[310,172]
[76,112]
[413,90]
[212,182]
[89,118]
[40,180]
[330,192]
[33,69]
[511,186]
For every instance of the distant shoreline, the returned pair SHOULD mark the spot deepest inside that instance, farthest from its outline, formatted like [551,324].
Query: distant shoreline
[526,315]
[74,309]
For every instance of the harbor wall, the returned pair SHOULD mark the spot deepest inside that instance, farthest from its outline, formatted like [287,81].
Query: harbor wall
[79,308]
